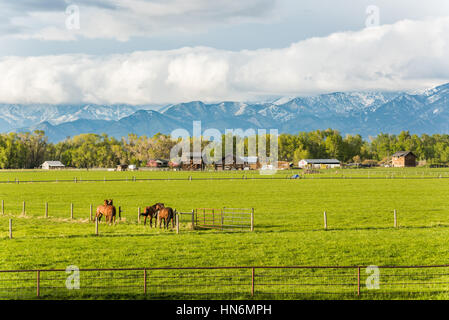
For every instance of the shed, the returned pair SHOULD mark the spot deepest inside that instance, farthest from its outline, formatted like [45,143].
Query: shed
[319,163]
[403,159]
[52,165]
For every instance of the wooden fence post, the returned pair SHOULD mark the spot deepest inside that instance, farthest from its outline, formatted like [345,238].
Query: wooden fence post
[395,219]
[38,280]
[96,226]
[71,211]
[325,220]
[177,223]
[46,209]
[252,281]
[24,208]
[222,219]
[10,228]
[91,213]
[193,219]
[252,219]
[358,281]
[145,280]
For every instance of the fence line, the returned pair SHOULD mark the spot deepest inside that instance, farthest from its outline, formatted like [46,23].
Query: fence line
[231,281]
[244,177]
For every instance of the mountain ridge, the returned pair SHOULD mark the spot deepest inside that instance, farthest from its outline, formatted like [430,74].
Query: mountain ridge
[366,113]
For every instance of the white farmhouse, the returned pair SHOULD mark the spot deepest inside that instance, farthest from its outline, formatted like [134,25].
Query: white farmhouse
[52,165]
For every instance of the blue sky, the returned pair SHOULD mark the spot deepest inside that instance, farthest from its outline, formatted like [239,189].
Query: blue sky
[159,51]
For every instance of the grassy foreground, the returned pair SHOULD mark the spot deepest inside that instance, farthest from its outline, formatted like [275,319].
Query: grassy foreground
[288,227]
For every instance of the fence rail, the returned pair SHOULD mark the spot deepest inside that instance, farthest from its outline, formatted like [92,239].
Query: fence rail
[239,282]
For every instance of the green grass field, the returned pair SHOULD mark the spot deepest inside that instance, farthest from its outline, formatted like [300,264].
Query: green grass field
[288,226]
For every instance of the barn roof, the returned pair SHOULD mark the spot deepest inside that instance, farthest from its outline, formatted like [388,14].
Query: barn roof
[403,153]
[54,163]
[322,161]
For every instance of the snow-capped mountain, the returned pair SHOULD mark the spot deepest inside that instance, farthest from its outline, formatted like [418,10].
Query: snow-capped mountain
[14,116]
[365,113]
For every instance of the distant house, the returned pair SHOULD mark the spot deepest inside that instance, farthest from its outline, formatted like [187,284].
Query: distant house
[403,159]
[158,163]
[319,163]
[52,165]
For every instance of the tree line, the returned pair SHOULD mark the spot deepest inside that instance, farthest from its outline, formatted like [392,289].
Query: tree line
[31,149]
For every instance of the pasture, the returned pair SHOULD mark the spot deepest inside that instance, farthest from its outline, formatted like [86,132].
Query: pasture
[288,221]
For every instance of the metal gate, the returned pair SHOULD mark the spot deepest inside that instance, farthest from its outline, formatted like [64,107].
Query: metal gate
[224,218]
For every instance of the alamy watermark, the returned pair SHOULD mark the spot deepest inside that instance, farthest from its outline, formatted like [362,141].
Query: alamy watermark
[373,280]
[73,280]
[206,148]
[72,20]
[373,16]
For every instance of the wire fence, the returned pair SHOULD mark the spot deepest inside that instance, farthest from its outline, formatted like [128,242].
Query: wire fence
[259,282]
[280,175]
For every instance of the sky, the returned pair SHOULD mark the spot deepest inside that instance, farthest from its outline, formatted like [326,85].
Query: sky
[168,51]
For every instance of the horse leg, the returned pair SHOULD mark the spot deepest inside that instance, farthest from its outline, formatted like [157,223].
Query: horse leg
[145,221]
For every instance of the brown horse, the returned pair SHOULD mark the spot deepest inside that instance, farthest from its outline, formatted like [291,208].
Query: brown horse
[107,210]
[165,213]
[151,212]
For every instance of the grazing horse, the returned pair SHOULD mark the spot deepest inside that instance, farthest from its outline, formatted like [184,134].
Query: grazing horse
[152,213]
[107,210]
[167,214]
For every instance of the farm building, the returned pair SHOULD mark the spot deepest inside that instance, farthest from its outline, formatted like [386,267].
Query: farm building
[282,165]
[52,165]
[319,163]
[230,162]
[192,161]
[158,163]
[403,159]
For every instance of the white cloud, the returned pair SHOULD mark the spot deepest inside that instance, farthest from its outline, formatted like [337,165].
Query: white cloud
[405,55]
[122,19]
